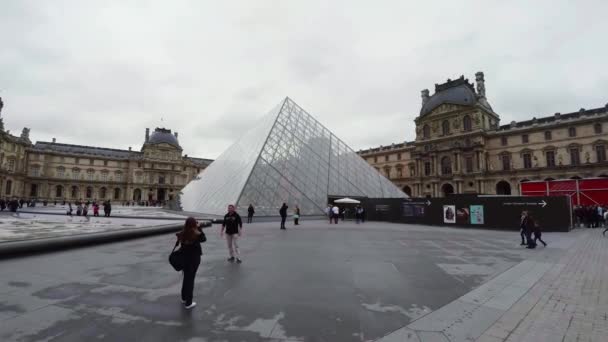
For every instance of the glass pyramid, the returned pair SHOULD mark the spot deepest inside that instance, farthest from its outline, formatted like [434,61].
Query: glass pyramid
[287,157]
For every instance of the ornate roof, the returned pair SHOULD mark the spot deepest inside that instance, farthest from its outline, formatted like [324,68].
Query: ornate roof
[458,91]
[163,136]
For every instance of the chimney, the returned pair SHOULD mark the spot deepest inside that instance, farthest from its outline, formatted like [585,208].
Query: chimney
[481,86]
[54,140]
[557,116]
[425,96]
[147,134]
[175,133]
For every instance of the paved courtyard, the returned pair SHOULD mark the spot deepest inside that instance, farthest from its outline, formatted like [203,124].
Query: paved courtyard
[377,281]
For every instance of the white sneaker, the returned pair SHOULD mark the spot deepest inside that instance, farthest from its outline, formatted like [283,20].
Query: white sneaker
[191,305]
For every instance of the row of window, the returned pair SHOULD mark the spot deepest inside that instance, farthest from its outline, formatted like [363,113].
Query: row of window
[505,159]
[573,152]
[445,127]
[597,128]
[386,157]
[75,193]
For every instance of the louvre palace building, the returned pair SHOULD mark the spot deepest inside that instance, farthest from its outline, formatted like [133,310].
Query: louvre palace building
[461,147]
[54,171]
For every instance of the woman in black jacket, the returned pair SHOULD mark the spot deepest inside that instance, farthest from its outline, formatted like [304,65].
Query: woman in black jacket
[190,239]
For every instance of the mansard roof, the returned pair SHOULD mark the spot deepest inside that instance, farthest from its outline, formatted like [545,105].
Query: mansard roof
[44,146]
[458,91]
[556,118]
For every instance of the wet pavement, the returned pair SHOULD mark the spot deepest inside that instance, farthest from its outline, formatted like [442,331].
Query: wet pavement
[317,282]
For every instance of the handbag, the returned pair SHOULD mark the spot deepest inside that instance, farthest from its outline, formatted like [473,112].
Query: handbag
[176,258]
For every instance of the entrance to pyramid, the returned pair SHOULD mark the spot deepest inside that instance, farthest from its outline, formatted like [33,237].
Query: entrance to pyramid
[288,157]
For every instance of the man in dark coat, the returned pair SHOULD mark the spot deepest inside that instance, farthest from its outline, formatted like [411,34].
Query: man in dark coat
[283,213]
[530,226]
[250,212]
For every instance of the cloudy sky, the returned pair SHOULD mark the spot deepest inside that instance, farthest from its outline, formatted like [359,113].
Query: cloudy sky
[99,72]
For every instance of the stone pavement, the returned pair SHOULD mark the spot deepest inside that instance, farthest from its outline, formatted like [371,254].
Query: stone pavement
[569,302]
[312,283]
[547,297]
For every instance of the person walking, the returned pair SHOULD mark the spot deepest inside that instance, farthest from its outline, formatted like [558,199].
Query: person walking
[537,232]
[296,216]
[250,212]
[13,205]
[328,212]
[70,209]
[335,213]
[85,210]
[95,209]
[109,207]
[606,220]
[522,227]
[232,226]
[358,213]
[283,213]
[190,239]
[529,229]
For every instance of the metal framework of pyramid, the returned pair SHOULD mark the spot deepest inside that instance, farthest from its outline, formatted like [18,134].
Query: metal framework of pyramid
[287,157]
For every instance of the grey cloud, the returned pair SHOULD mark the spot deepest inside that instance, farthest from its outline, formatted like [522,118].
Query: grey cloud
[99,73]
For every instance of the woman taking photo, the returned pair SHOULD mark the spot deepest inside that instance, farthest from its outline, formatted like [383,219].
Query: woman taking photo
[190,239]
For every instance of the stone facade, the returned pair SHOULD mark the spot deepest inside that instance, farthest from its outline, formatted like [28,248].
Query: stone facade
[55,172]
[460,146]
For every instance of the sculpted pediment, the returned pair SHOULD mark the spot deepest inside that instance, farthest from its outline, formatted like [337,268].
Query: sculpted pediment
[445,109]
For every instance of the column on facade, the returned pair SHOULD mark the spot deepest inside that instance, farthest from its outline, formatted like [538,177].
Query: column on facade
[456,162]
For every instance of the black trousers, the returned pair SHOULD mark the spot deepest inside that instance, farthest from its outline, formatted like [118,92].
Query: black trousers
[249,218]
[190,269]
[283,218]
[523,236]
[531,242]
[538,236]
[296,221]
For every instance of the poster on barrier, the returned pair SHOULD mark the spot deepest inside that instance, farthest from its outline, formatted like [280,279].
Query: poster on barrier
[462,215]
[449,214]
[476,214]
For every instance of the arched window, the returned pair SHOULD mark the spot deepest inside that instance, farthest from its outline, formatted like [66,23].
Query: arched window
[446,165]
[503,188]
[466,123]
[445,127]
[426,132]
[102,193]
[9,186]
[117,193]
[447,189]
[58,191]
[597,128]
[137,194]
[74,192]
[89,193]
